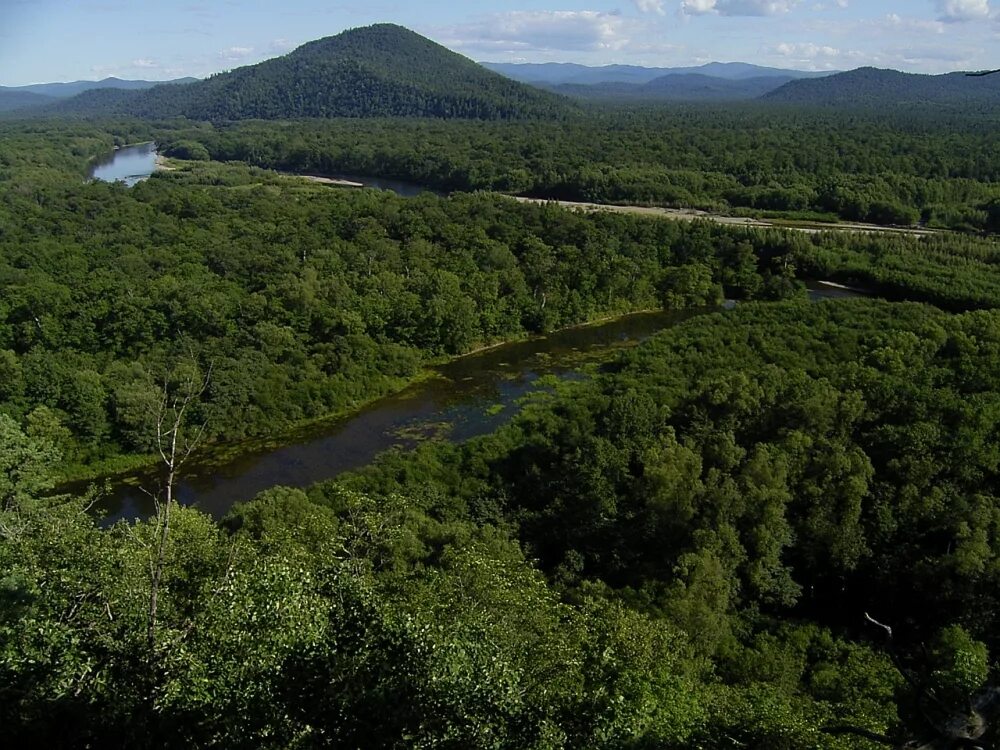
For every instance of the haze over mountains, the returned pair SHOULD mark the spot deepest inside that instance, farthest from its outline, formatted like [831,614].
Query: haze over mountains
[556,74]
[863,87]
[38,94]
[64,90]
[734,81]
[690,87]
[389,71]
[13,100]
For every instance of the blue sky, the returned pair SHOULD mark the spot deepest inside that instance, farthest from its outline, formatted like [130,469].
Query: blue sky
[59,40]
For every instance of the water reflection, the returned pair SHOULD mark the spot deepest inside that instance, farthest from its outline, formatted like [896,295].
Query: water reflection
[469,396]
[399,187]
[130,165]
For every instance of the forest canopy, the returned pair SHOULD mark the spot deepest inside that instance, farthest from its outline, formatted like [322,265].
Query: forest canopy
[774,526]
[924,167]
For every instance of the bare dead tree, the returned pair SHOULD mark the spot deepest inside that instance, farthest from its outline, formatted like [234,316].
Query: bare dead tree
[945,728]
[175,446]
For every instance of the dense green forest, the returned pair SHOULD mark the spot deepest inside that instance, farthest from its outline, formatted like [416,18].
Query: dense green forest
[930,168]
[755,477]
[308,300]
[679,552]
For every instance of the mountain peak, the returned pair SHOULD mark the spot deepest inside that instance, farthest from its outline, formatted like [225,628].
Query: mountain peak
[370,71]
[380,35]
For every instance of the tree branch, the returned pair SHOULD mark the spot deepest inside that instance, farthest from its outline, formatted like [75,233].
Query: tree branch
[860,732]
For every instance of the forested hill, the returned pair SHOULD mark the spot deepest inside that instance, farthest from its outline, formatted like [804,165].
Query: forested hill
[19,99]
[72,88]
[680,87]
[877,87]
[14,99]
[381,70]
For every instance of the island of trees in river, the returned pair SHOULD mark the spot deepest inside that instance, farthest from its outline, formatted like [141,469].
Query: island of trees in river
[901,169]
[768,527]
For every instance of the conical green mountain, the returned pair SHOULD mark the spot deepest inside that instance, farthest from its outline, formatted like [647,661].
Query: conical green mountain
[375,71]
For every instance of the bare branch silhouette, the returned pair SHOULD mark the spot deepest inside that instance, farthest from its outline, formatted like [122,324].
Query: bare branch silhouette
[174,448]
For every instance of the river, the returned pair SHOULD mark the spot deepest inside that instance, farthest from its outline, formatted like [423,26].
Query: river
[130,164]
[133,164]
[399,187]
[467,397]
[470,396]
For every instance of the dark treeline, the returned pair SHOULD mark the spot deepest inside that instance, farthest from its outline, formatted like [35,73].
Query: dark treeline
[937,170]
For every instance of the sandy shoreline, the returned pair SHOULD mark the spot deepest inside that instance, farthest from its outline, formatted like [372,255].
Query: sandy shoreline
[329,180]
[690,214]
[161,164]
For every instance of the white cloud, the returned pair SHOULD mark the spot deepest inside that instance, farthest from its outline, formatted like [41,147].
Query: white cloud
[806,50]
[145,62]
[958,11]
[819,57]
[899,23]
[650,6]
[914,57]
[737,7]
[919,55]
[281,46]
[697,7]
[235,54]
[577,30]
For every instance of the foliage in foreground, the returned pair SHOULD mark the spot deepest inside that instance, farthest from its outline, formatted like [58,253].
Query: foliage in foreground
[710,522]
[335,619]
[779,464]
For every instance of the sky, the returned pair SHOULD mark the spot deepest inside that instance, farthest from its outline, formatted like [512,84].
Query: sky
[65,40]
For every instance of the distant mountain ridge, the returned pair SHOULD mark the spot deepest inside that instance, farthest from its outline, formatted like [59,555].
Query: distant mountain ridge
[877,87]
[556,74]
[65,90]
[15,99]
[12,100]
[386,70]
[689,87]
[375,71]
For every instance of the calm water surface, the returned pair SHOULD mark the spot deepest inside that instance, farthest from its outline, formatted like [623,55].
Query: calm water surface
[130,165]
[403,189]
[469,396]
